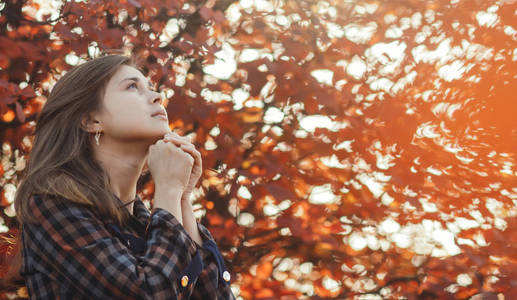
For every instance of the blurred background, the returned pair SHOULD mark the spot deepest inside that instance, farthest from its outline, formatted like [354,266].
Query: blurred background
[352,149]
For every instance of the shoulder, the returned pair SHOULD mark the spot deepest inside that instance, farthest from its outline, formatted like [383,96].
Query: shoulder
[62,222]
[57,208]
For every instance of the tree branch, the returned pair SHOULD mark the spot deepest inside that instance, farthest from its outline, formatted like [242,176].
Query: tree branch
[62,15]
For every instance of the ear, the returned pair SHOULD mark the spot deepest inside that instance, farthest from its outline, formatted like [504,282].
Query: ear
[90,123]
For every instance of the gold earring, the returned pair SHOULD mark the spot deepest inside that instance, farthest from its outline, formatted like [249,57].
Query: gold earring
[97,136]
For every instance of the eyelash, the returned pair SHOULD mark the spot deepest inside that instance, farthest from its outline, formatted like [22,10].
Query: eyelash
[134,83]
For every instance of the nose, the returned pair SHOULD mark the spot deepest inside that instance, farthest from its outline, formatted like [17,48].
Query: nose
[156,97]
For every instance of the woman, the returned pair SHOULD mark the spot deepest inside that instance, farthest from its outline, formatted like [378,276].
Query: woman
[85,232]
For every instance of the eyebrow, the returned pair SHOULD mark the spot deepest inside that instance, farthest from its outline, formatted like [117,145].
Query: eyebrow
[137,80]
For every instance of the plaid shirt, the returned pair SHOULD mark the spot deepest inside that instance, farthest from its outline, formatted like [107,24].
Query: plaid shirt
[72,254]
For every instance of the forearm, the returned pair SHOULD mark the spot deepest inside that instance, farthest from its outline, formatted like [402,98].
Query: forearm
[169,199]
[189,221]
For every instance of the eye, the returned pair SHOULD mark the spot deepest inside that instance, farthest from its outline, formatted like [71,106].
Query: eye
[132,84]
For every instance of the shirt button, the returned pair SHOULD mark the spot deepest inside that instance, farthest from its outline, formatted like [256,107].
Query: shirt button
[184,281]
[226,276]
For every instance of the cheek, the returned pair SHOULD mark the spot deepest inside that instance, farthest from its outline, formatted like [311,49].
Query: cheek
[127,114]
[127,108]
[132,118]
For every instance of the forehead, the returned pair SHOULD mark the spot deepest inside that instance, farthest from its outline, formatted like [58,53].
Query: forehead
[126,72]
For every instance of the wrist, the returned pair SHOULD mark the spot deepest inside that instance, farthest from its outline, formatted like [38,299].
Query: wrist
[169,199]
[169,188]
[186,197]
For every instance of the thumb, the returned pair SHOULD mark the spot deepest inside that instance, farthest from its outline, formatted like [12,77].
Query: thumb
[146,165]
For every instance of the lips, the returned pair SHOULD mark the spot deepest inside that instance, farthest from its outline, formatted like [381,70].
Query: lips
[158,113]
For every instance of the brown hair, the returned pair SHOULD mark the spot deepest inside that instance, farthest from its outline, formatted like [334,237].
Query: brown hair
[61,161]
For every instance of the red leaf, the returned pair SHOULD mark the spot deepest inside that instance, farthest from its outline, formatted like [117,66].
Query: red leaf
[4,61]
[28,92]
[7,99]
[206,13]
[135,3]
[20,115]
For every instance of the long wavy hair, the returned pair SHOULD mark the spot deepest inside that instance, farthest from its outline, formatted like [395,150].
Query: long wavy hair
[61,161]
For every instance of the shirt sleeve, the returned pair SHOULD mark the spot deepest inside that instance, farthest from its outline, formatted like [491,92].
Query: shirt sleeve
[212,283]
[75,248]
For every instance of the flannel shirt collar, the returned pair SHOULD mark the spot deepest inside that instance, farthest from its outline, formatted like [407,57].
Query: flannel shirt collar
[140,211]
[140,216]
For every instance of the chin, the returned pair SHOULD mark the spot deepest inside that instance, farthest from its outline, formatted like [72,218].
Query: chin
[152,133]
[158,134]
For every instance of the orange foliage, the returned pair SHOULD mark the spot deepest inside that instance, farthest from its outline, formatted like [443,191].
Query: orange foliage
[372,142]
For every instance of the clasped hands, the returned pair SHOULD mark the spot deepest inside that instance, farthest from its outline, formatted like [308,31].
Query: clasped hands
[185,144]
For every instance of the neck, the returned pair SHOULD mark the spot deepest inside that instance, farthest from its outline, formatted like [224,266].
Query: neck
[124,164]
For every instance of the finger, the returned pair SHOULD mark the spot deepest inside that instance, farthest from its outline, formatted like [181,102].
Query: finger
[192,150]
[175,135]
[171,145]
[190,156]
[179,138]
[186,148]
[176,142]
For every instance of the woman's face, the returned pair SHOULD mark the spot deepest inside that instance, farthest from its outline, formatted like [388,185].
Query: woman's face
[129,104]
